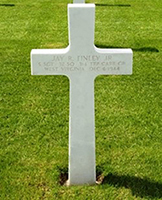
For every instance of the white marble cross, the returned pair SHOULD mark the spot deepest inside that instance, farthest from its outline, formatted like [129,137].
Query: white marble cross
[82,62]
[78,1]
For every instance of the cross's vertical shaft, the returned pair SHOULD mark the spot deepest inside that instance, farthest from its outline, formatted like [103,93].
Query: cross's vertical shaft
[82,133]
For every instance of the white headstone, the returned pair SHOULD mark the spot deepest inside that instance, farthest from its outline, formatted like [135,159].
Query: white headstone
[81,61]
[78,1]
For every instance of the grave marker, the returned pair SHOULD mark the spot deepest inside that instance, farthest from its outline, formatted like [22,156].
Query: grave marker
[78,1]
[82,62]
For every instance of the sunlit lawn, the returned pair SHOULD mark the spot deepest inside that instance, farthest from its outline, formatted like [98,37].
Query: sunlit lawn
[34,110]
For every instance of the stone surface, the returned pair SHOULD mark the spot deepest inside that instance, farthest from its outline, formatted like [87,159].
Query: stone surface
[78,1]
[81,61]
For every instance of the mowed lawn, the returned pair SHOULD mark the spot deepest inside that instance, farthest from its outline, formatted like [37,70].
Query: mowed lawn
[34,110]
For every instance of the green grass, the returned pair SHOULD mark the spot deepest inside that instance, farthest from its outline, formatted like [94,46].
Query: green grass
[34,109]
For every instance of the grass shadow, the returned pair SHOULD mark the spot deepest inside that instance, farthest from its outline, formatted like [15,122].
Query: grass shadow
[7,4]
[114,5]
[146,49]
[142,49]
[140,187]
[63,175]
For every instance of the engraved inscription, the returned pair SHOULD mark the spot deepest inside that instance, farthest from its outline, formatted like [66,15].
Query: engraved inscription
[80,63]
[64,69]
[88,58]
[57,58]
[104,69]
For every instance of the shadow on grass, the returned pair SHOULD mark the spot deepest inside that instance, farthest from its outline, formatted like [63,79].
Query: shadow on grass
[140,187]
[7,5]
[142,49]
[63,175]
[112,5]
